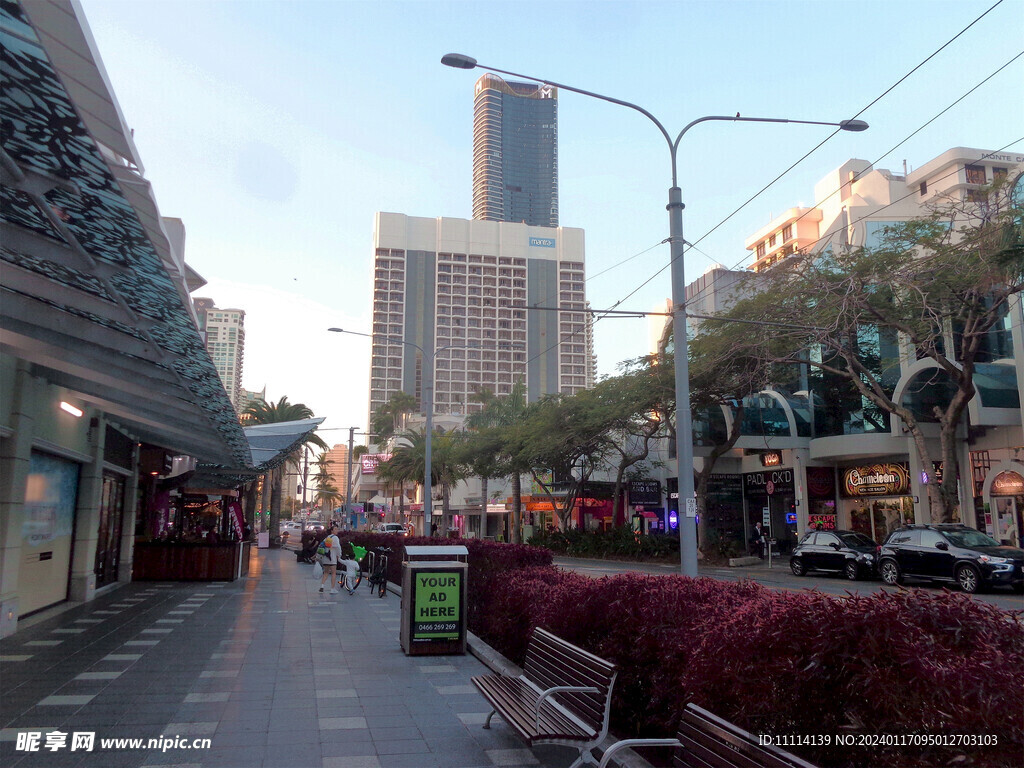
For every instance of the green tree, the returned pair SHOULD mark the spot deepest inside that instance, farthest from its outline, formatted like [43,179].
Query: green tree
[389,420]
[937,286]
[631,407]
[494,449]
[261,412]
[566,435]
[408,464]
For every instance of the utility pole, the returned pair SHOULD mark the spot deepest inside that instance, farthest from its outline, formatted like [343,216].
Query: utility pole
[348,476]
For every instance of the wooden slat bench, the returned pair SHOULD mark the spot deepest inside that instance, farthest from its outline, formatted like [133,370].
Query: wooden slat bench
[563,696]
[708,741]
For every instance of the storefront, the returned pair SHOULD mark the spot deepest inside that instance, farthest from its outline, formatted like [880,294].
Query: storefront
[770,495]
[648,508]
[1005,517]
[725,507]
[875,499]
[821,498]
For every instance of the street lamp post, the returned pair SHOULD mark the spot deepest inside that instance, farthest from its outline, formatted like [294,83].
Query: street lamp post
[684,437]
[427,394]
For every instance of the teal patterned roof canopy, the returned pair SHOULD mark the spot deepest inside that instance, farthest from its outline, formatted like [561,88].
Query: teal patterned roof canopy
[90,292]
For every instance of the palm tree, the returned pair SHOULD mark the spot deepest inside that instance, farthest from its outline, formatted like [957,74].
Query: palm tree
[262,412]
[408,464]
[389,418]
[495,443]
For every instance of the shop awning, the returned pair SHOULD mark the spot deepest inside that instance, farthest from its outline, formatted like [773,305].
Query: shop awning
[95,295]
[648,515]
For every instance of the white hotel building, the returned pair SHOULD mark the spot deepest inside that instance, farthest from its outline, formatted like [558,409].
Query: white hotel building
[513,294]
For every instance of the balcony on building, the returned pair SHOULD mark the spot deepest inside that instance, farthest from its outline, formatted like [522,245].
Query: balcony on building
[794,231]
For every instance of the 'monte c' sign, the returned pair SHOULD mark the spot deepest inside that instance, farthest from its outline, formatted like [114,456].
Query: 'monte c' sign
[876,480]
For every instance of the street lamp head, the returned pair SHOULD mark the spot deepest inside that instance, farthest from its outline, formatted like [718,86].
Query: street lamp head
[336,330]
[458,60]
[853,125]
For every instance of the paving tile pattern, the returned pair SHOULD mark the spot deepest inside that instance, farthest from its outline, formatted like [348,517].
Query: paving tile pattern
[274,673]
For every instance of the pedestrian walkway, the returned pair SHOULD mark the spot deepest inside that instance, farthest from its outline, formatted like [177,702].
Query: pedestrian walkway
[270,671]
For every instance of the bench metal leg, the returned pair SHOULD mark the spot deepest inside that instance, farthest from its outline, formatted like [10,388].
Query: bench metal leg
[585,758]
[487,723]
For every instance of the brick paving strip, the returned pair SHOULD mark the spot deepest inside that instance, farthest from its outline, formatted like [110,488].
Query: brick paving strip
[275,674]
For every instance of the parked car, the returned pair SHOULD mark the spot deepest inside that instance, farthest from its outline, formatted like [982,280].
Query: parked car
[847,552]
[314,525]
[395,528]
[953,553]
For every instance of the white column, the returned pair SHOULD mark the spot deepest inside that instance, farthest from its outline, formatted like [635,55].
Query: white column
[15,460]
[82,585]
[131,511]
[918,489]
[800,496]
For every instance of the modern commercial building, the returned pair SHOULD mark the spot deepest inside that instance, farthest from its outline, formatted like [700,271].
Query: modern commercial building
[810,454]
[482,297]
[515,152]
[224,331]
[107,394]
[338,468]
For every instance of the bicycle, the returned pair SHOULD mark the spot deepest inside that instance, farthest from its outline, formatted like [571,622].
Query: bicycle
[377,570]
[343,570]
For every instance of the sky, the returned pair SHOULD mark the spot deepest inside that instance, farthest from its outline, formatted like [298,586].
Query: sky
[275,130]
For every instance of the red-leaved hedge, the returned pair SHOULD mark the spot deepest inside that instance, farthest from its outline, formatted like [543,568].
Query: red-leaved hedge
[783,662]
[487,560]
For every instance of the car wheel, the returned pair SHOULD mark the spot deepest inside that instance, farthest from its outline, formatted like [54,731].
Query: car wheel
[851,571]
[968,579]
[797,566]
[890,573]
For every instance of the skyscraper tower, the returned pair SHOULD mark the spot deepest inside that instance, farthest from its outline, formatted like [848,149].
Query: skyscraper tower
[515,152]
[224,331]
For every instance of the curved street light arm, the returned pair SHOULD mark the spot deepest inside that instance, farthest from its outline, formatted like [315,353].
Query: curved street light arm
[620,102]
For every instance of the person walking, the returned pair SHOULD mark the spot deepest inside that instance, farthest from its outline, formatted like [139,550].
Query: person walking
[332,548]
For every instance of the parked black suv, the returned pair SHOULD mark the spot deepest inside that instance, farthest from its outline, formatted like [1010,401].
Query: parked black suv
[846,552]
[950,553]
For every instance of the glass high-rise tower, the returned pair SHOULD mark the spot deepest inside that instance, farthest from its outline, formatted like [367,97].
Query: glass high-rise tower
[515,152]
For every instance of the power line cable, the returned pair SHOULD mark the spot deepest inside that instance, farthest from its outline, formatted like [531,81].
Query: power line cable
[873,164]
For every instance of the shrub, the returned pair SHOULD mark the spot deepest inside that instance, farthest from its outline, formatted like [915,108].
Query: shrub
[487,560]
[775,662]
[619,542]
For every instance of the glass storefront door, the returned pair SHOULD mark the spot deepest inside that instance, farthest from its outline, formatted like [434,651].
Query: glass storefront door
[877,518]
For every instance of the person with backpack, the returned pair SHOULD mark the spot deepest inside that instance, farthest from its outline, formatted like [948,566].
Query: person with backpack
[330,553]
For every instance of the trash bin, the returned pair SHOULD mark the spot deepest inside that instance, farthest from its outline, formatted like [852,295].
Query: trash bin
[434,600]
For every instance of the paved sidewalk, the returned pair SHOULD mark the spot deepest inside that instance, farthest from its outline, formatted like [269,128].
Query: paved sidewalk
[275,674]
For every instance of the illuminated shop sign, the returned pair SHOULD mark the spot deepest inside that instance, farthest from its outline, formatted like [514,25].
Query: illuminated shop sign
[369,462]
[825,522]
[771,459]
[876,480]
[1007,484]
[768,483]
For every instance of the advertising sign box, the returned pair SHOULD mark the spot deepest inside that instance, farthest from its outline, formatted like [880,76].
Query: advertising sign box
[645,492]
[433,608]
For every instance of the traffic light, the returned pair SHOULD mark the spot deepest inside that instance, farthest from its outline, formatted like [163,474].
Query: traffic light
[298,491]
[369,507]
